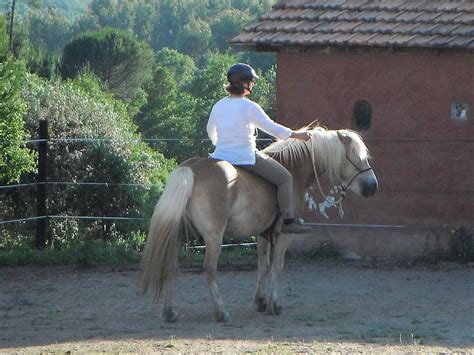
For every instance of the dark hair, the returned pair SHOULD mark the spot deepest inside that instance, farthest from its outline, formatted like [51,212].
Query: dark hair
[234,88]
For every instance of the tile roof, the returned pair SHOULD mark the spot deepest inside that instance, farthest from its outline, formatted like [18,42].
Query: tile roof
[367,23]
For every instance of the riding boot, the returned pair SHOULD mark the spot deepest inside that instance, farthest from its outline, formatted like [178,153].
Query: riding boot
[294,226]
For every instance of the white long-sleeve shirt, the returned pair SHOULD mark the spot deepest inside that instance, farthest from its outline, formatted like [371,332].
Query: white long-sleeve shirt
[232,129]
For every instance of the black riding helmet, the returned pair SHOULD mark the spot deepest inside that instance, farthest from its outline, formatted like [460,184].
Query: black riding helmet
[241,72]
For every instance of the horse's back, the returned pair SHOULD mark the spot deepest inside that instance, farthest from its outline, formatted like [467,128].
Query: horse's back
[229,200]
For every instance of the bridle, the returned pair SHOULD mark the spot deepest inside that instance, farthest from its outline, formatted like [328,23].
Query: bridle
[342,188]
[359,171]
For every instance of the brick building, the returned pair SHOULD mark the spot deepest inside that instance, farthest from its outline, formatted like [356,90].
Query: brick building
[400,72]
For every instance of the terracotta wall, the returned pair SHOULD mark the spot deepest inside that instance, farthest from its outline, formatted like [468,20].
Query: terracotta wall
[423,158]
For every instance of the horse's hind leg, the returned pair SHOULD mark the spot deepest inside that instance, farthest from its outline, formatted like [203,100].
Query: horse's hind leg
[281,244]
[213,251]
[263,247]
[169,315]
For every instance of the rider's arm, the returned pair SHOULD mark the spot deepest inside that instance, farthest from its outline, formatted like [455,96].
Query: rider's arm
[261,120]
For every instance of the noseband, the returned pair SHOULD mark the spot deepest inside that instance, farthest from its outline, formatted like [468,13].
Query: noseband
[359,171]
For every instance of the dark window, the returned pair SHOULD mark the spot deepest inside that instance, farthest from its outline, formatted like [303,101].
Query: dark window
[362,115]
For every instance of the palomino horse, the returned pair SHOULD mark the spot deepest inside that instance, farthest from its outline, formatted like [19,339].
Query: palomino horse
[216,199]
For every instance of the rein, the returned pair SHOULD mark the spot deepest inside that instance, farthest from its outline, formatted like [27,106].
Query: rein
[327,199]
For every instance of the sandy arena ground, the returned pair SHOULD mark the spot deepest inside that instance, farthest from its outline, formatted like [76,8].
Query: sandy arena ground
[329,306]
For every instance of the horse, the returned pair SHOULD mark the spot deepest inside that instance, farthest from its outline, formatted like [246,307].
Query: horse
[217,199]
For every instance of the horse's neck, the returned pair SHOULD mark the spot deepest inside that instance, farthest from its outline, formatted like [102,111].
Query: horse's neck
[302,169]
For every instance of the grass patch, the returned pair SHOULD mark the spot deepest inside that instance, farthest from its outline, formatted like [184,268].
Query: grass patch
[86,254]
[461,251]
[98,253]
[231,258]
[326,250]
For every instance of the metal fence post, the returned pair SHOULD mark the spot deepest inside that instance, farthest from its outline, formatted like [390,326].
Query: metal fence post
[41,192]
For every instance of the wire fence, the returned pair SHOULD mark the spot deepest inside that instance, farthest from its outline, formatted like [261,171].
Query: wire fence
[91,184]
[44,217]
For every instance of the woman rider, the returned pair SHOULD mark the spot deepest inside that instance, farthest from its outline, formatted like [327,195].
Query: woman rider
[232,129]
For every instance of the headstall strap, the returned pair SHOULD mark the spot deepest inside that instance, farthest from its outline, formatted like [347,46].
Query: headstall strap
[330,201]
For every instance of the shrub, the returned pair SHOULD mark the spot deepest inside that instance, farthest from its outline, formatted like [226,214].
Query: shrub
[462,243]
[116,154]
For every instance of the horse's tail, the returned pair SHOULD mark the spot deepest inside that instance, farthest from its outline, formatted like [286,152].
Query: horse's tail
[160,257]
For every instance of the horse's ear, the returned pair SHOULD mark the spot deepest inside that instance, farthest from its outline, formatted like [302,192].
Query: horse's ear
[345,138]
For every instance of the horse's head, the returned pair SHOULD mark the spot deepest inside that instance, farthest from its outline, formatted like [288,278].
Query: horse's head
[355,171]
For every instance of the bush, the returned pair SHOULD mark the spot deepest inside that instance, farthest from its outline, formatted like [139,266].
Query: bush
[80,109]
[462,243]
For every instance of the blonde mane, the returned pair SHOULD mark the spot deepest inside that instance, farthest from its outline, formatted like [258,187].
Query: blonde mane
[326,146]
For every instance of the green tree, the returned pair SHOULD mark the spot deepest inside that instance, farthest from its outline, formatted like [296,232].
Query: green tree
[48,29]
[173,16]
[169,114]
[182,66]
[114,14]
[117,57]
[194,38]
[145,16]
[12,13]
[15,158]
[227,25]
[265,92]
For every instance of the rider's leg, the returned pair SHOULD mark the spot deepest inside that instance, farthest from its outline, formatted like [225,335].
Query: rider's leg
[278,175]
[274,172]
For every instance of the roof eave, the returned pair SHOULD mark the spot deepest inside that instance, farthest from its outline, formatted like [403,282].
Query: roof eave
[259,47]
[256,47]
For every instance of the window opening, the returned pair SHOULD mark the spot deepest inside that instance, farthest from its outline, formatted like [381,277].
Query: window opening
[362,119]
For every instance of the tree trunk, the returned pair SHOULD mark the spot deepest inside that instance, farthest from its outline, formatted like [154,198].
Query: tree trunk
[12,17]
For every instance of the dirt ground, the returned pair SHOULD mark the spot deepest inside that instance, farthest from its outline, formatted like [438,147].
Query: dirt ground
[334,307]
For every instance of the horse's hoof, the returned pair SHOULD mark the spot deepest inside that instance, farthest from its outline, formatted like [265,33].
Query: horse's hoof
[222,316]
[170,316]
[261,304]
[274,309]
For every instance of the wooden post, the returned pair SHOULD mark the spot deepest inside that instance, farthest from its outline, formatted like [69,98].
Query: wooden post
[41,192]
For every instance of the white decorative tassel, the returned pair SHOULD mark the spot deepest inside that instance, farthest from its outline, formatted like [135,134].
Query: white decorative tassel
[329,202]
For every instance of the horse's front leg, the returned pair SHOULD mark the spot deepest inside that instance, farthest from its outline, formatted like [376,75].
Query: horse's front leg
[213,251]
[263,248]
[281,244]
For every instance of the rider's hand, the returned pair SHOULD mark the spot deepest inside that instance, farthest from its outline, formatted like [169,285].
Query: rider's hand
[303,135]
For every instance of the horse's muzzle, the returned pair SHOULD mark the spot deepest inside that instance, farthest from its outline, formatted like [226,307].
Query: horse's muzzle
[369,186]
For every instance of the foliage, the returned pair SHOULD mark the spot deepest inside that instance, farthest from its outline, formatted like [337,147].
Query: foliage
[462,243]
[105,51]
[70,9]
[264,92]
[48,29]
[461,249]
[168,113]
[88,253]
[228,24]
[115,56]
[15,158]
[326,249]
[80,109]
[194,38]
[195,27]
